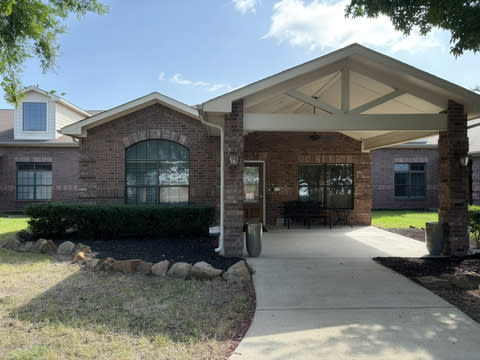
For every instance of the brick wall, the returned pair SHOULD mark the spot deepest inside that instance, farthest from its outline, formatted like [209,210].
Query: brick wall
[453,181]
[283,152]
[64,173]
[383,178]
[102,154]
[476,180]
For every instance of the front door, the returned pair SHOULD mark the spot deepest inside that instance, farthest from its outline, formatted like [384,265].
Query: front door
[253,192]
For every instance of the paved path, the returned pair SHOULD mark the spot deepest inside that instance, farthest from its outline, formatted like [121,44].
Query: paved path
[320,296]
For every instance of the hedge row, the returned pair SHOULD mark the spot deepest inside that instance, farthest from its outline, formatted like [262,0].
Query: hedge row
[110,221]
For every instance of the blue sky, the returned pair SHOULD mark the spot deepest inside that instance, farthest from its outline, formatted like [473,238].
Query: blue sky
[195,50]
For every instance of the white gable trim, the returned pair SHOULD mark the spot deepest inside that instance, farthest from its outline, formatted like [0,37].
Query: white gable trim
[79,128]
[56,98]
[411,76]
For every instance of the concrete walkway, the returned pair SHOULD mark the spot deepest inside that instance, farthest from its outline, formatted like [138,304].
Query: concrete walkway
[320,296]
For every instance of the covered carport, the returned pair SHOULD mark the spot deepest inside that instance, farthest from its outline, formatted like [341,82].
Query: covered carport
[362,95]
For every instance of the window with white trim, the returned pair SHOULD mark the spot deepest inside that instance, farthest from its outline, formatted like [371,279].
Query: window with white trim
[410,180]
[34,181]
[34,116]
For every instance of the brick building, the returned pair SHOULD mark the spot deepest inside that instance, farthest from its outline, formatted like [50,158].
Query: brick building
[36,162]
[405,176]
[304,134]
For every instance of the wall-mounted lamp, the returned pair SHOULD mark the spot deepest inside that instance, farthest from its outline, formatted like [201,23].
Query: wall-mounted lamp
[233,159]
[463,160]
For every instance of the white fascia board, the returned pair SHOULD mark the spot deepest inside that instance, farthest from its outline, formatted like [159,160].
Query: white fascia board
[79,128]
[39,144]
[345,122]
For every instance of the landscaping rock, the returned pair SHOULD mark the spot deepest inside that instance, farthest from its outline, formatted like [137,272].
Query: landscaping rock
[127,266]
[49,248]
[24,236]
[204,271]
[161,268]
[180,270]
[433,282]
[65,248]
[92,263]
[38,245]
[80,257]
[26,246]
[106,264]
[144,268]
[467,280]
[13,243]
[238,272]
[81,247]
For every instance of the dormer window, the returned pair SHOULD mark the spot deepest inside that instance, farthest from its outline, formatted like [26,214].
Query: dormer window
[34,116]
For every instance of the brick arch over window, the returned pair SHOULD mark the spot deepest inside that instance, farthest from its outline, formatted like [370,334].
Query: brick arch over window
[156,134]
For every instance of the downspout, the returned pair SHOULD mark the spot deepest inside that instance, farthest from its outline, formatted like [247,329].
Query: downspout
[201,114]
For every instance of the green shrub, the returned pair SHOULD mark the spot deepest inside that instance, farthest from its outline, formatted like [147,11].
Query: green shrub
[108,221]
[474,212]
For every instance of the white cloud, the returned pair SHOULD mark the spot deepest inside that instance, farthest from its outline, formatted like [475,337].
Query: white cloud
[322,24]
[210,87]
[201,83]
[245,6]
[161,76]
[176,79]
[216,87]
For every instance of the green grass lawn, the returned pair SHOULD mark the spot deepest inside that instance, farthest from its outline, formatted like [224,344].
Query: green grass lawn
[10,225]
[402,218]
[52,310]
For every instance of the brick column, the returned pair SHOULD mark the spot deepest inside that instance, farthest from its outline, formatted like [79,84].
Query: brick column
[233,196]
[453,182]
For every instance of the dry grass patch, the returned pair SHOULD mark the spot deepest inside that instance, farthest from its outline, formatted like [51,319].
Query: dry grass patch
[52,310]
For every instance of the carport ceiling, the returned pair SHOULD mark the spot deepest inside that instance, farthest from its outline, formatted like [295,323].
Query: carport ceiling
[359,92]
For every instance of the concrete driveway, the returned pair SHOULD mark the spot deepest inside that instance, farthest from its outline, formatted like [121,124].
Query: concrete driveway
[320,296]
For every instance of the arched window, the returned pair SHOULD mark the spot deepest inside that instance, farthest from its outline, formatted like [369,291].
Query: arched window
[157,172]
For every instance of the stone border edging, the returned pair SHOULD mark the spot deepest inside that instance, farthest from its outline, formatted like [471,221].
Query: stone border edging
[77,254]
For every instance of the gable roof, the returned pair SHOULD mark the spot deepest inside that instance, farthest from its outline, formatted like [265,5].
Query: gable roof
[79,129]
[434,89]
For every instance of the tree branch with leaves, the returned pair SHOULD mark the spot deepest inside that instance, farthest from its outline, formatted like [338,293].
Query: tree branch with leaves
[29,28]
[460,17]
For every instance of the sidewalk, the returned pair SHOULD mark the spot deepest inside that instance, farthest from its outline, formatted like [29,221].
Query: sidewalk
[320,296]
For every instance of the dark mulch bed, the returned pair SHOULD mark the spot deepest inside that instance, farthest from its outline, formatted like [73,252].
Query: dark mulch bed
[185,249]
[466,300]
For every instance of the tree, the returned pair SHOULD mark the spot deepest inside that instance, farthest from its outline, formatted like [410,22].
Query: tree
[29,28]
[459,17]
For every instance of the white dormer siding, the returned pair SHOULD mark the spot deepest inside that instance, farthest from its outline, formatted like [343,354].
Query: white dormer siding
[65,116]
[50,133]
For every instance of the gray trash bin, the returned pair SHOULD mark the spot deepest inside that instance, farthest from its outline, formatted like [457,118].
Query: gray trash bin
[434,238]
[254,234]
